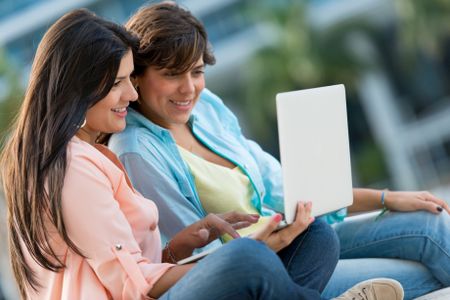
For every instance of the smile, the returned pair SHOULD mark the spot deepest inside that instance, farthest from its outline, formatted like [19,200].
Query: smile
[119,110]
[181,103]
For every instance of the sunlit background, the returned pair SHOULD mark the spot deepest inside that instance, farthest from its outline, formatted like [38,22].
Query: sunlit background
[393,56]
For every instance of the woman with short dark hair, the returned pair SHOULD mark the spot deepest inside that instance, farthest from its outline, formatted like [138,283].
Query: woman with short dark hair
[184,149]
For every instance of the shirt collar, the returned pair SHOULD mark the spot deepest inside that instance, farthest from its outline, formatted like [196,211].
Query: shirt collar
[134,118]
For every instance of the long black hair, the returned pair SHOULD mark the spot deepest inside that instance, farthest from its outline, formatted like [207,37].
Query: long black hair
[75,66]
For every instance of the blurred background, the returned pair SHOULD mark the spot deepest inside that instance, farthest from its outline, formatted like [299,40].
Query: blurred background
[393,56]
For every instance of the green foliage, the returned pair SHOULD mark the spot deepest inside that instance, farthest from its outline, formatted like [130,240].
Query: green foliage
[301,57]
[369,164]
[9,105]
[305,57]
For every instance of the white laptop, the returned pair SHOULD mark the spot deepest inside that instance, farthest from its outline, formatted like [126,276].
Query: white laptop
[314,151]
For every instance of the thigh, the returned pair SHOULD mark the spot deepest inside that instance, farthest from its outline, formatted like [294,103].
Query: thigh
[241,269]
[419,236]
[414,277]
[394,235]
[311,258]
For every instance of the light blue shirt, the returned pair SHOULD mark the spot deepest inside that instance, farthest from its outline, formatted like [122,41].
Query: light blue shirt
[157,170]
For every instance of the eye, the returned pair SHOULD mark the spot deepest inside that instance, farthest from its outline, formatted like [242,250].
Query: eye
[199,72]
[116,83]
[170,74]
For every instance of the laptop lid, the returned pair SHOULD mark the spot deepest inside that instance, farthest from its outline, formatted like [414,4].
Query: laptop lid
[314,149]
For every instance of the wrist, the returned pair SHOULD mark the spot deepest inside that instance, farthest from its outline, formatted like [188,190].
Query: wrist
[168,255]
[386,199]
[179,248]
[383,204]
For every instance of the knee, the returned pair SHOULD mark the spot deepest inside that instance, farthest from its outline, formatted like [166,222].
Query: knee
[250,269]
[435,227]
[442,225]
[252,256]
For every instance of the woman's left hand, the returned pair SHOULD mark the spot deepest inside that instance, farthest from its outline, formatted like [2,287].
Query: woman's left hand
[413,201]
[203,232]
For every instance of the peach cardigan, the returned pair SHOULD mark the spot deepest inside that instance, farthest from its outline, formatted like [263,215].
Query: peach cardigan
[113,226]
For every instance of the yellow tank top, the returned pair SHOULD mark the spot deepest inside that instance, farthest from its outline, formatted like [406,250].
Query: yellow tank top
[222,189]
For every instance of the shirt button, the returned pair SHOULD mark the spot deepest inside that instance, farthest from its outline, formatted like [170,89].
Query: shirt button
[118,247]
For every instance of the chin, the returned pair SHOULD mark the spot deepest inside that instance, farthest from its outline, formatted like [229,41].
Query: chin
[184,119]
[118,129]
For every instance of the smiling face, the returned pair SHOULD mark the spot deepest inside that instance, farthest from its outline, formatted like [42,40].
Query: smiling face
[108,115]
[166,97]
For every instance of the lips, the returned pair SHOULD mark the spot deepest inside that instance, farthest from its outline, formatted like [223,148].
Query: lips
[181,103]
[121,112]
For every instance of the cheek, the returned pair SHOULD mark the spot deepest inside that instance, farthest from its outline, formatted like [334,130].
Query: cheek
[94,114]
[101,110]
[152,90]
[201,84]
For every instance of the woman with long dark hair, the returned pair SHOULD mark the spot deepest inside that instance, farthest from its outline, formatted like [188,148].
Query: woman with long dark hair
[77,229]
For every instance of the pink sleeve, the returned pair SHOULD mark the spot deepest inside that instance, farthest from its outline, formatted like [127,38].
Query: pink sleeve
[100,229]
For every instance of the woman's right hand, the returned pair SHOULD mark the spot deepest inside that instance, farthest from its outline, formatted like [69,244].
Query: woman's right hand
[277,240]
[204,231]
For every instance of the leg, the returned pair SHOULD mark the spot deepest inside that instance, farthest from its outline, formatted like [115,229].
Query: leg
[417,236]
[414,277]
[241,269]
[311,258]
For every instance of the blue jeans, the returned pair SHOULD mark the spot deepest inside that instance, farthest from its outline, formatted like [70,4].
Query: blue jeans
[248,269]
[413,248]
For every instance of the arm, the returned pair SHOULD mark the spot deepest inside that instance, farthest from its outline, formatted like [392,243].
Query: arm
[168,280]
[97,225]
[176,211]
[365,200]
[203,232]
[195,236]
[370,199]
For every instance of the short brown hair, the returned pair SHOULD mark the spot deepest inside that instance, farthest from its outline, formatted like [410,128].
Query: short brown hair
[170,37]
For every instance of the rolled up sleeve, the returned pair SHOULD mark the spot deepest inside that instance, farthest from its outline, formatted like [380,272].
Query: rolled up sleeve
[101,228]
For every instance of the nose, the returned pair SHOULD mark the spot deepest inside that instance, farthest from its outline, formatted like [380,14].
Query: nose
[187,84]
[131,94]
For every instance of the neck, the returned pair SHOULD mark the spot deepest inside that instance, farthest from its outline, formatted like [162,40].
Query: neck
[180,130]
[183,136]
[87,136]
[146,112]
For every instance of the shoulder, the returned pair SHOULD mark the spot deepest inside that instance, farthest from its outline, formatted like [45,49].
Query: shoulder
[82,153]
[84,160]
[209,101]
[127,140]
[140,144]
[211,108]
[88,167]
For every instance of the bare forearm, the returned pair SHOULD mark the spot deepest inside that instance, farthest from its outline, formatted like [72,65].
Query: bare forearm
[168,280]
[365,200]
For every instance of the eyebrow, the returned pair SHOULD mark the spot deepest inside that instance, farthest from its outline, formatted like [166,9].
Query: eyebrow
[123,77]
